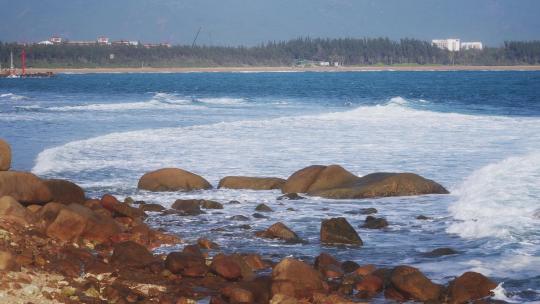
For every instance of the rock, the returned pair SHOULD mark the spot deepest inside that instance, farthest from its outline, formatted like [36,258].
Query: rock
[151,207]
[67,226]
[34,208]
[259,216]
[226,267]
[172,179]
[5,155]
[263,208]
[382,185]
[8,261]
[365,270]
[188,207]
[368,211]
[369,286]
[279,231]
[12,211]
[301,180]
[349,266]
[24,187]
[296,279]
[324,259]
[339,231]
[283,299]
[238,218]
[290,196]
[186,264]
[318,178]
[206,204]
[468,287]
[410,282]
[131,254]
[372,222]
[65,192]
[207,244]
[119,209]
[440,252]
[237,294]
[48,213]
[193,249]
[253,183]
[98,228]
[422,217]
[255,262]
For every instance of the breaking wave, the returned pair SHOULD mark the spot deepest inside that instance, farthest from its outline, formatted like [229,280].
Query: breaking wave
[12,97]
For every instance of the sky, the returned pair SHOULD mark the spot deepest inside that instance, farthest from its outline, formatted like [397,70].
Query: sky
[251,22]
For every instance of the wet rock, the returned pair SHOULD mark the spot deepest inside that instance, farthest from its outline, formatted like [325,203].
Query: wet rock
[207,244]
[8,261]
[119,209]
[65,192]
[12,211]
[369,286]
[372,222]
[206,204]
[440,252]
[255,262]
[368,211]
[253,183]
[422,217]
[279,231]
[263,208]
[238,218]
[349,266]
[151,207]
[99,228]
[295,278]
[226,267]
[234,202]
[193,249]
[67,226]
[24,187]
[237,294]
[5,155]
[339,231]
[191,265]
[131,254]
[34,208]
[318,178]
[172,179]
[259,216]
[410,282]
[324,259]
[188,207]
[468,287]
[290,196]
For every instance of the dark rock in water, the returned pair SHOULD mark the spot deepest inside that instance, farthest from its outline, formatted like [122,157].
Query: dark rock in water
[263,208]
[349,266]
[65,192]
[440,252]
[172,179]
[238,218]
[325,209]
[129,200]
[259,216]
[5,155]
[279,231]
[151,207]
[422,217]
[245,227]
[207,244]
[374,223]
[337,183]
[339,231]
[468,287]
[290,196]
[291,209]
[24,187]
[188,207]
[206,204]
[410,282]
[131,254]
[368,211]
[253,183]
[234,202]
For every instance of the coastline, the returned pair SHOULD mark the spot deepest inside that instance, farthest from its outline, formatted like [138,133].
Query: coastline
[440,68]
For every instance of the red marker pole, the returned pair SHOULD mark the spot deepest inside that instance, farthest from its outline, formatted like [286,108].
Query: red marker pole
[23,62]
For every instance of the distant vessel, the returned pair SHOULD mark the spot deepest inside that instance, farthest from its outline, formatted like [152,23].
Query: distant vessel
[12,72]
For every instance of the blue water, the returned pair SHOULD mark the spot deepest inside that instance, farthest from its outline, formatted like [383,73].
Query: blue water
[477,133]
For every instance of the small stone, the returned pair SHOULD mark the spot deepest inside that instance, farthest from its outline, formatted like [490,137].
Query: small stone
[263,208]
[238,218]
[259,216]
[290,196]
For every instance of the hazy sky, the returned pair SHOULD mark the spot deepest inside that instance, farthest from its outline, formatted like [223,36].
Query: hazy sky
[249,22]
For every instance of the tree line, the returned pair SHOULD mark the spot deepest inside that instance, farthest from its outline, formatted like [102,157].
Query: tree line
[346,51]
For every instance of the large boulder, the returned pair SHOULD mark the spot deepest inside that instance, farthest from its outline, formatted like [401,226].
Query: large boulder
[226,267]
[131,254]
[65,192]
[296,279]
[67,226]
[99,228]
[188,207]
[12,211]
[253,183]
[172,179]
[468,287]
[413,284]
[187,264]
[339,231]
[317,178]
[279,231]
[25,187]
[5,155]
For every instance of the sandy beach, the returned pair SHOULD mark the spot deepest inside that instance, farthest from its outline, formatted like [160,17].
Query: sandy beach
[285,69]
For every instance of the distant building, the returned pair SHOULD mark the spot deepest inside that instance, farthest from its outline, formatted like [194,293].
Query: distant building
[155,45]
[81,43]
[472,45]
[324,63]
[452,45]
[45,42]
[125,42]
[103,40]
[56,40]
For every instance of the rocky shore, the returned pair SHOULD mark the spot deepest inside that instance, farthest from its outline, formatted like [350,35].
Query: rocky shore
[59,246]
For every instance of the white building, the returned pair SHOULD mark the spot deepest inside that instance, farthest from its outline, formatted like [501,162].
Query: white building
[103,40]
[56,40]
[452,45]
[472,45]
[45,42]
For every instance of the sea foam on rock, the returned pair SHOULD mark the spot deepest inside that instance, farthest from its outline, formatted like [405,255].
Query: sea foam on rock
[172,179]
[5,155]
[337,183]
[253,183]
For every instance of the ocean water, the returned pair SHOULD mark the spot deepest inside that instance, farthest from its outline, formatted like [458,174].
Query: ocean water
[477,133]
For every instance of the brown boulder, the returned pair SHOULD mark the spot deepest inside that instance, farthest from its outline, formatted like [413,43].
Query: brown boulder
[468,287]
[48,213]
[207,204]
[98,228]
[372,222]
[226,267]
[253,183]
[296,279]
[24,187]
[5,155]
[65,192]
[67,226]
[151,207]
[339,231]
[412,283]
[191,265]
[237,294]
[8,261]
[255,262]
[172,179]
[131,254]
[369,286]
[188,207]
[12,211]
[279,231]
[301,180]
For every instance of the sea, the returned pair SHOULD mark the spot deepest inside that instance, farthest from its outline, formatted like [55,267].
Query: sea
[475,132]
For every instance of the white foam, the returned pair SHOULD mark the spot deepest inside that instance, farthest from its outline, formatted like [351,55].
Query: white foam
[12,97]
[222,101]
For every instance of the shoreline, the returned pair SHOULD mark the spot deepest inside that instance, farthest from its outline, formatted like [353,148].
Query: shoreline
[442,68]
